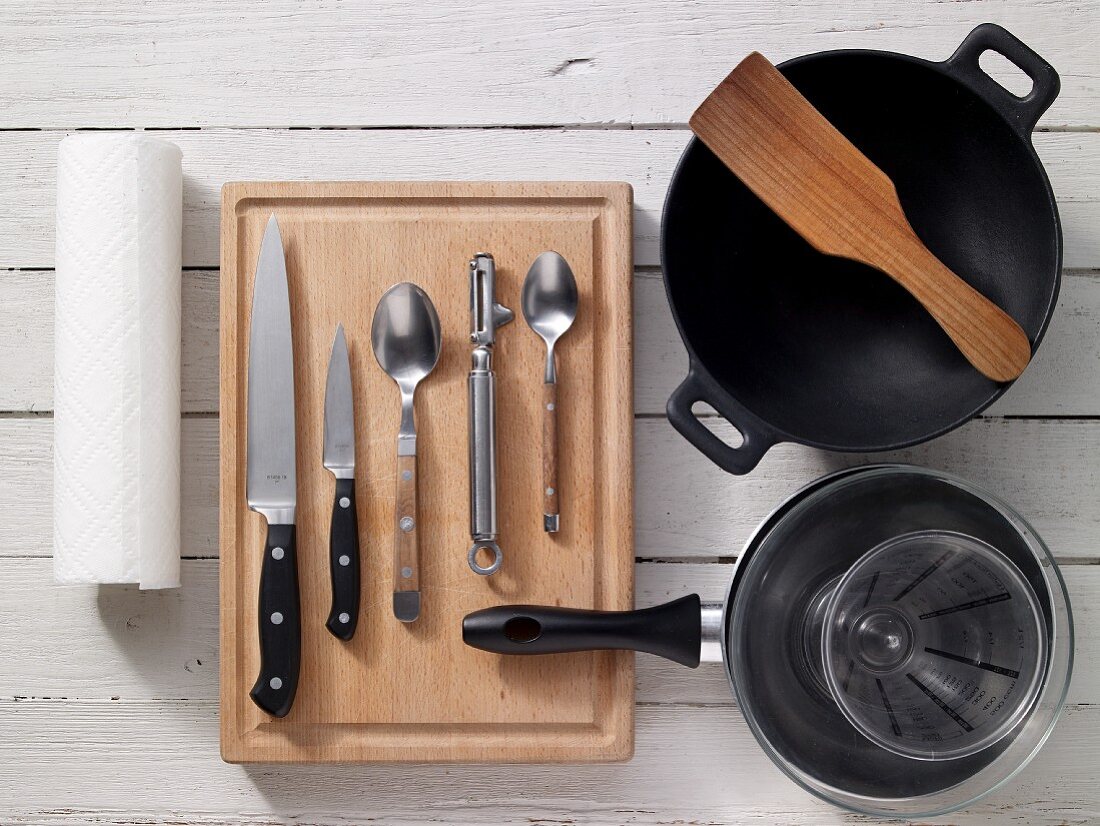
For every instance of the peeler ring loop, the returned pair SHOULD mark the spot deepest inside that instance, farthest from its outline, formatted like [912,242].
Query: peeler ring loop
[498,555]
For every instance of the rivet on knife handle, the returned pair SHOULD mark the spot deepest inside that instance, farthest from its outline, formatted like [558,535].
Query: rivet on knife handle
[343,616]
[280,625]
[339,459]
[271,483]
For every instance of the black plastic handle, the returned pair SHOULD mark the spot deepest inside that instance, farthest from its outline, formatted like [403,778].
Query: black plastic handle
[280,624]
[756,436]
[672,630]
[343,556]
[1022,112]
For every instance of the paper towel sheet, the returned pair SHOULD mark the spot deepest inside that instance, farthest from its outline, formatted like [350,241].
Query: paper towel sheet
[117,361]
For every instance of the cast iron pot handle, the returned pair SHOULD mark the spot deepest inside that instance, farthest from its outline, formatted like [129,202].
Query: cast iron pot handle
[672,630]
[1023,113]
[700,387]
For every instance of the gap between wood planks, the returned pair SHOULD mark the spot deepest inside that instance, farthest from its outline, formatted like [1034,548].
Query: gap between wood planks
[647,273]
[607,126]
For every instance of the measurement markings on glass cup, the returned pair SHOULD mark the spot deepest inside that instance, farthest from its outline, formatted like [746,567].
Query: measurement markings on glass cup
[959,658]
[889,708]
[966,606]
[848,676]
[871,588]
[950,712]
[927,572]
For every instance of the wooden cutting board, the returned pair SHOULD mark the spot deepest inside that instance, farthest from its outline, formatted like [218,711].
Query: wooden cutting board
[400,692]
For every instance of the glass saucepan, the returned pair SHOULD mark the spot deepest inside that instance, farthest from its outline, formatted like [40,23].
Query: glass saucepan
[899,641]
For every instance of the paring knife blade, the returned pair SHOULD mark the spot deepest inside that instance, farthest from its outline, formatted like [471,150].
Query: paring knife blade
[271,479]
[338,456]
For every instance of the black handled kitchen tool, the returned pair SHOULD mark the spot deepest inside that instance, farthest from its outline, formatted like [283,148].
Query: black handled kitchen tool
[790,344]
[339,458]
[899,641]
[271,477]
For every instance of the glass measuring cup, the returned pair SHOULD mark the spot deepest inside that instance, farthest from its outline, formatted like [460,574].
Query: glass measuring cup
[934,645]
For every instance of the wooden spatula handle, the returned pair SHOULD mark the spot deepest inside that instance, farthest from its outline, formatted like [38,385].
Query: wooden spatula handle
[991,341]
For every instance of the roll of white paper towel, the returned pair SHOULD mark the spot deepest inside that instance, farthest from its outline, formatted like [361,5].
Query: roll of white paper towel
[117,361]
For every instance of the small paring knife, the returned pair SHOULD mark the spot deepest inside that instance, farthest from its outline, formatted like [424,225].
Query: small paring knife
[339,459]
[271,482]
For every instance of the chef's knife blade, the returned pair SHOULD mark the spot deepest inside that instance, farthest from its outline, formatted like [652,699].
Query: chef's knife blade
[271,479]
[339,457]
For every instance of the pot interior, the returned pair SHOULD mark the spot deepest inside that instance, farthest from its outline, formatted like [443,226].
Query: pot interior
[828,351]
[774,652]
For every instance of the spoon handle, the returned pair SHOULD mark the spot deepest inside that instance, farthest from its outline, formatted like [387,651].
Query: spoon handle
[406,543]
[550,512]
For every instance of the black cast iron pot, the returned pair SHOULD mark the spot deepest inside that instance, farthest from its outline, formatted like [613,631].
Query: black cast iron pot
[792,345]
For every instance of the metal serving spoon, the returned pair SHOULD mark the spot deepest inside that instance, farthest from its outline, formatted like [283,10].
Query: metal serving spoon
[406,340]
[550,305]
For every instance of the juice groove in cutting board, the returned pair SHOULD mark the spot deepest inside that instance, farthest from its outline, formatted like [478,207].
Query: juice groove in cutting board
[415,692]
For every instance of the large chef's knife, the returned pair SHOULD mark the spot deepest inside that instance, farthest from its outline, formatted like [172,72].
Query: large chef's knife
[339,458]
[271,478]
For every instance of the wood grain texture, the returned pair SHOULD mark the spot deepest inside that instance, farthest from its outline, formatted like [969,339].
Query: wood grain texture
[693,765]
[125,644]
[686,508]
[550,496]
[409,692]
[406,535]
[285,63]
[830,193]
[1062,380]
[645,158]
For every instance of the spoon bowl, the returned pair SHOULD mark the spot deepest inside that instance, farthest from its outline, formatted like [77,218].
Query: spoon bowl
[550,302]
[405,335]
[406,339]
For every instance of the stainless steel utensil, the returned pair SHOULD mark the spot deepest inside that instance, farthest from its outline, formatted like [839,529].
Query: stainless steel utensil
[549,306]
[485,316]
[270,484]
[407,340]
[899,641]
[338,456]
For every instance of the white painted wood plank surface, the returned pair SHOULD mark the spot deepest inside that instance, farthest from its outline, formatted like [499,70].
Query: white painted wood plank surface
[1064,379]
[685,506]
[70,753]
[289,63]
[645,158]
[120,643]
[158,762]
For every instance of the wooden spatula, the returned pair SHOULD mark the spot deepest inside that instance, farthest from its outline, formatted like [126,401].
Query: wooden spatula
[810,175]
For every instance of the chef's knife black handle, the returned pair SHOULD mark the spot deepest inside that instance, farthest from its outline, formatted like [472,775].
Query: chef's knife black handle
[672,630]
[343,544]
[280,624]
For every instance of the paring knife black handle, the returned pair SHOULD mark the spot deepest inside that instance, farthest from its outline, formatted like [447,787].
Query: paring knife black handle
[280,624]
[343,544]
